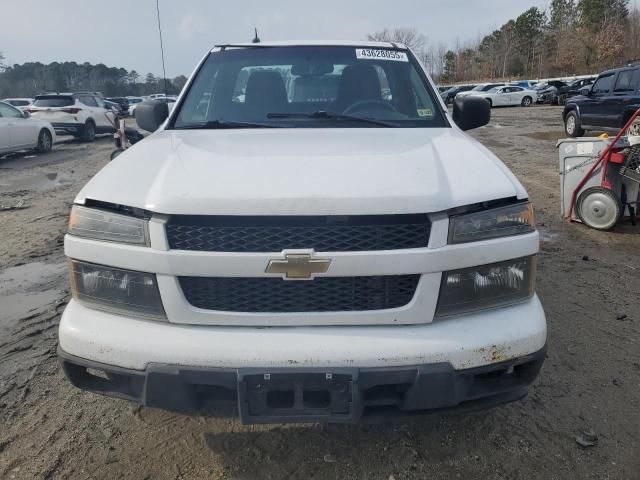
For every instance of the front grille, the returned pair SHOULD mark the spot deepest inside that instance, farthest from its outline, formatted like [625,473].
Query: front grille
[324,294]
[321,233]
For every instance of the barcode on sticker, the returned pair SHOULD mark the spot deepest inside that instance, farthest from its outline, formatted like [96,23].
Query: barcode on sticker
[377,54]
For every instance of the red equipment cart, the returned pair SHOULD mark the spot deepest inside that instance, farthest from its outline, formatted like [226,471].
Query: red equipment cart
[602,204]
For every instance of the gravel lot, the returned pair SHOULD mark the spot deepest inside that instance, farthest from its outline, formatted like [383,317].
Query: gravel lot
[589,283]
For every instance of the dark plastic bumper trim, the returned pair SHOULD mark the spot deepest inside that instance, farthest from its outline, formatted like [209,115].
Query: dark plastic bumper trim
[329,395]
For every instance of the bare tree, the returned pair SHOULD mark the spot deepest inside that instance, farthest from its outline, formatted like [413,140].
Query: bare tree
[633,35]
[408,36]
[571,37]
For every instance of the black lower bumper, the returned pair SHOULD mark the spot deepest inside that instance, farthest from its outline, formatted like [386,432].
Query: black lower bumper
[284,395]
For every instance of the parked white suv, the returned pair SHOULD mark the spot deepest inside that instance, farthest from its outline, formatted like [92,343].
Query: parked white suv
[315,259]
[82,115]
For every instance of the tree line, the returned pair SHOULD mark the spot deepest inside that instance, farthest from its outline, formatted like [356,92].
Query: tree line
[571,37]
[32,78]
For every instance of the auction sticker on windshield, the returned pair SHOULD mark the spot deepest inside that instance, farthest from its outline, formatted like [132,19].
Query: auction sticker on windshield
[375,54]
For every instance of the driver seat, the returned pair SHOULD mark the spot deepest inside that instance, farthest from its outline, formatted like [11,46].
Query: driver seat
[357,83]
[265,92]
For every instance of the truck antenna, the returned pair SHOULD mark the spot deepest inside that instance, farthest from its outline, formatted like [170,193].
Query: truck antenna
[256,39]
[164,72]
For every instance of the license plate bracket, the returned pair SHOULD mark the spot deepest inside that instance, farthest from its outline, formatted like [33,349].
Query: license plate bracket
[306,396]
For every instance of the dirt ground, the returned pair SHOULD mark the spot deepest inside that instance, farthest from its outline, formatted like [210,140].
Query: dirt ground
[589,283]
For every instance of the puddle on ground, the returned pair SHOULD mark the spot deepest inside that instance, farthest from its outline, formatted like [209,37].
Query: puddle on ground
[28,289]
[554,135]
[16,154]
[46,181]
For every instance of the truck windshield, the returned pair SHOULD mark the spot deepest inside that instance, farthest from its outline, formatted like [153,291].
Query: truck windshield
[316,86]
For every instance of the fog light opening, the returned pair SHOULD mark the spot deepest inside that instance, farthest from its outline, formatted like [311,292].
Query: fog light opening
[94,372]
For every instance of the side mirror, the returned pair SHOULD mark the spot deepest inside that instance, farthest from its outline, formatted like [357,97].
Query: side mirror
[586,91]
[151,114]
[471,112]
[25,114]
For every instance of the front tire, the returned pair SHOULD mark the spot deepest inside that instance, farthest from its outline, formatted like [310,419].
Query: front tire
[572,125]
[89,132]
[45,141]
[526,101]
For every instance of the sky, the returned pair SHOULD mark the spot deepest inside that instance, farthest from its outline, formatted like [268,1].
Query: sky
[125,34]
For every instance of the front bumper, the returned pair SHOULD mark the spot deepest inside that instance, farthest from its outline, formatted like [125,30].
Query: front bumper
[310,395]
[464,342]
[470,361]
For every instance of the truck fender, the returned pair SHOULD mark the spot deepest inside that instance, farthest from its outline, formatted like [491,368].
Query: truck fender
[571,108]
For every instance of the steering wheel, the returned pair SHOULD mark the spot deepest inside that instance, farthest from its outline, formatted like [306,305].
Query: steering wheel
[363,104]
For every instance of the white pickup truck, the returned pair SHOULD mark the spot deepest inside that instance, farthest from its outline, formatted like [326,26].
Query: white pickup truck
[311,236]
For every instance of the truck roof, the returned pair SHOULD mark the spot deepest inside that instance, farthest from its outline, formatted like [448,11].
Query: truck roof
[319,43]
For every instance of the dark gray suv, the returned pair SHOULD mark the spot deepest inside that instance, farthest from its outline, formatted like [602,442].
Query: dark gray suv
[606,105]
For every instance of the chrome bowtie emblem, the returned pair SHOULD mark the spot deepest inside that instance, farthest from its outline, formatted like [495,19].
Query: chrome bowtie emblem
[298,266]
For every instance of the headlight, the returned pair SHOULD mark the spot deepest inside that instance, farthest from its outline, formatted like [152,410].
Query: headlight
[487,286]
[116,290]
[105,225]
[497,222]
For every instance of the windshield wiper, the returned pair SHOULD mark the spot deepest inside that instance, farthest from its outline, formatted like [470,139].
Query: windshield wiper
[213,124]
[331,115]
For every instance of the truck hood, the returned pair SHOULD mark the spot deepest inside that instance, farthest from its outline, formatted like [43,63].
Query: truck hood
[303,171]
